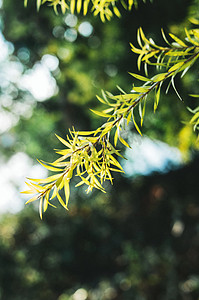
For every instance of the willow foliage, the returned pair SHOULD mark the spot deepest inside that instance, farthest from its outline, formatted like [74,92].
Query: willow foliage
[104,8]
[92,155]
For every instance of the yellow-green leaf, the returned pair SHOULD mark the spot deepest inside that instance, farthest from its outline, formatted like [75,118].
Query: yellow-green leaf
[159,77]
[101,100]
[63,141]
[157,98]
[194,95]
[194,118]
[66,190]
[72,6]
[124,142]
[136,126]
[49,167]
[38,4]
[176,66]
[129,117]
[177,40]
[116,11]
[101,114]
[116,137]
[115,162]
[79,6]
[140,89]
[139,77]
[46,180]
[33,199]
[61,201]
[190,39]
[85,9]
[86,132]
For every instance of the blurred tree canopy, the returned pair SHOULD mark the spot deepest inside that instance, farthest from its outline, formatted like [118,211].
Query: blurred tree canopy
[138,241]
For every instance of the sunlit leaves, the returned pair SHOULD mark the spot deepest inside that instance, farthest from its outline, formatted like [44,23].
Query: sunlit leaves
[90,155]
[171,55]
[139,77]
[195,119]
[176,57]
[104,8]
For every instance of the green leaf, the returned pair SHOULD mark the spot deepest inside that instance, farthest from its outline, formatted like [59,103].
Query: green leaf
[101,114]
[101,100]
[194,118]
[63,141]
[45,180]
[116,11]
[61,201]
[86,132]
[115,162]
[38,4]
[177,40]
[79,6]
[176,66]
[116,137]
[72,6]
[157,98]
[140,89]
[40,207]
[85,7]
[49,167]
[190,39]
[46,198]
[66,190]
[129,117]
[159,77]
[194,95]
[59,182]
[32,199]
[136,126]
[124,142]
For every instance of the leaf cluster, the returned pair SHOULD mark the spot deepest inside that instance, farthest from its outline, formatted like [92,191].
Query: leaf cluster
[106,9]
[91,156]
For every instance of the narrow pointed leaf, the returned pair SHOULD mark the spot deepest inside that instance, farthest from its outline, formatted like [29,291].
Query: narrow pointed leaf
[101,114]
[63,141]
[49,167]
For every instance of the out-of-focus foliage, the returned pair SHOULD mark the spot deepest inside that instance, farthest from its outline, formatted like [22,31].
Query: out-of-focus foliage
[140,242]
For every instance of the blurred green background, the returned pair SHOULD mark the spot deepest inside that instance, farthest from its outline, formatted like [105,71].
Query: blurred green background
[140,240]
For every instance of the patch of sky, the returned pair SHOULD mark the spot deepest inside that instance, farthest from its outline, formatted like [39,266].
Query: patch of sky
[50,61]
[70,34]
[39,85]
[147,156]
[7,48]
[39,81]
[70,20]
[23,54]
[85,29]
[12,177]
